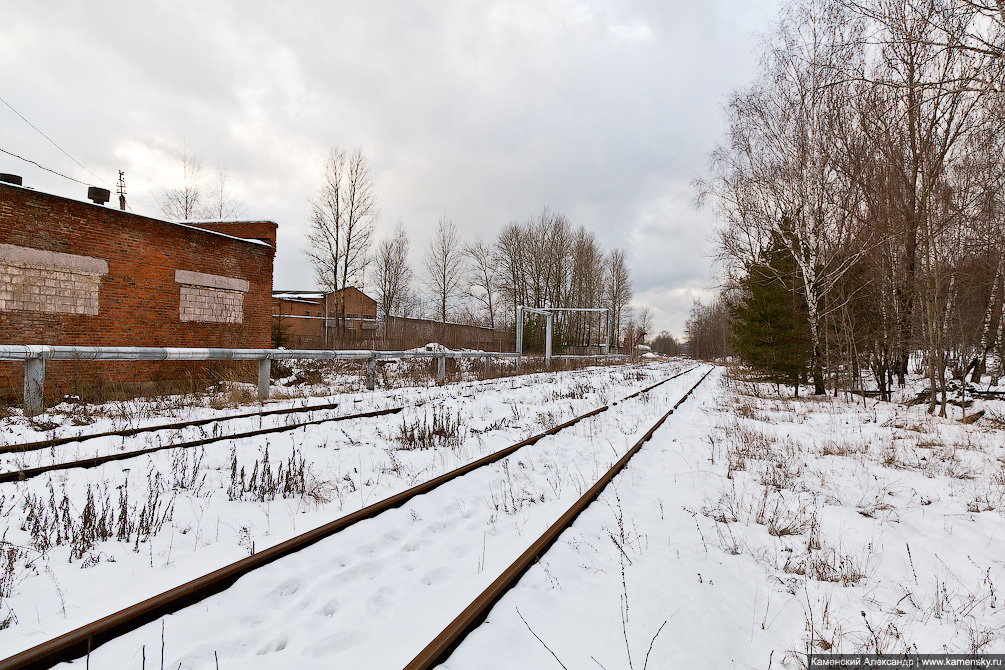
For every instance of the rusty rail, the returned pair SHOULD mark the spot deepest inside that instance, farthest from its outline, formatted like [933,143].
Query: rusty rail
[128,432]
[80,642]
[437,651]
[28,473]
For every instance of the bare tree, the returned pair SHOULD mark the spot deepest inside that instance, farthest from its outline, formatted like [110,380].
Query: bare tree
[327,223]
[192,201]
[221,203]
[618,287]
[645,323]
[586,287]
[708,330]
[444,264]
[936,97]
[392,273]
[184,203]
[545,262]
[980,27]
[483,276]
[868,154]
[510,250]
[343,216]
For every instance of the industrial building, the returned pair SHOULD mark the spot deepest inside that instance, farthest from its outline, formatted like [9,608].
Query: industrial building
[79,273]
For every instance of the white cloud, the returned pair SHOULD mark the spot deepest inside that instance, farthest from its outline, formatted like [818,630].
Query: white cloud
[487,111]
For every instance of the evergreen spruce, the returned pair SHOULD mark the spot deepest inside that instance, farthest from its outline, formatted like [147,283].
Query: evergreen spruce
[770,330]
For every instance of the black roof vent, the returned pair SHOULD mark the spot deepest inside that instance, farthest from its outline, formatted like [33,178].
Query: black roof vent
[10,178]
[99,196]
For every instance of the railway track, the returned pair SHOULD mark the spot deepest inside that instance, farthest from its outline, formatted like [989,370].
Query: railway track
[129,432]
[80,642]
[93,462]
[437,651]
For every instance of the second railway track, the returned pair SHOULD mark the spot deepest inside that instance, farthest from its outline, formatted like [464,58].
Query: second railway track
[95,461]
[178,425]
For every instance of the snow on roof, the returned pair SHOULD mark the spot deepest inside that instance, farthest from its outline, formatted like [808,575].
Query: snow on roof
[300,300]
[187,224]
[306,296]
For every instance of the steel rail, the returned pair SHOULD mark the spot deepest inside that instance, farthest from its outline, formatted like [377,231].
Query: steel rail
[128,432]
[440,648]
[81,641]
[28,473]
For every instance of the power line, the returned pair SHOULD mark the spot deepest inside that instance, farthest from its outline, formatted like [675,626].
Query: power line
[28,160]
[53,144]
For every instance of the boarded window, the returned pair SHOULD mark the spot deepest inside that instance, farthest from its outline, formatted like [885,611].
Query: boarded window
[210,298]
[34,280]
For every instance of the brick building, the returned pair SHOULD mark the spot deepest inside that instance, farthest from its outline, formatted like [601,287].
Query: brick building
[307,319]
[75,273]
[298,319]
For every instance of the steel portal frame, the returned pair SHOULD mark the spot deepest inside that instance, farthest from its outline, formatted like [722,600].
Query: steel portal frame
[523,310]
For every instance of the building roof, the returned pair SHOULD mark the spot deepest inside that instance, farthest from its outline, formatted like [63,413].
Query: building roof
[187,224]
[315,294]
[309,299]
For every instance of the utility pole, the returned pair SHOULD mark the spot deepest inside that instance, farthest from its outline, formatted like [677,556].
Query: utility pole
[121,189]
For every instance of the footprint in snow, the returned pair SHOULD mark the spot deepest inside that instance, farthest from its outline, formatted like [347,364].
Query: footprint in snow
[340,641]
[287,588]
[381,601]
[330,608]
[277,644]
[435,576]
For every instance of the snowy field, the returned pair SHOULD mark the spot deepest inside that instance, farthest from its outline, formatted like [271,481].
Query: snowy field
[751,528]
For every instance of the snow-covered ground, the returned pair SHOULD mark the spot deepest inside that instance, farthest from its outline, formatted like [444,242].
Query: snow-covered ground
[190,511]
[749,529]
[753,528]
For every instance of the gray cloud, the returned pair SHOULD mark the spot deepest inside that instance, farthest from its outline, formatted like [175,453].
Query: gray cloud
[487,111]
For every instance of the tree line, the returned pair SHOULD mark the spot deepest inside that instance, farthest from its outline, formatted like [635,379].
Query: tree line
[860,193]
[543,261]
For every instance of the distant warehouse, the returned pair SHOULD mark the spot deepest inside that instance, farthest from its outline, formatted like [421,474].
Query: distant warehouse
[76,273]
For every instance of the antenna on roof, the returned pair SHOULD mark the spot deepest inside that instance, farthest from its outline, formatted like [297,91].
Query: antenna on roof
[121,190]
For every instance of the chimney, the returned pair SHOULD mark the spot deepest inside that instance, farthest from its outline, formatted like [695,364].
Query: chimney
[99,196]
[10,178]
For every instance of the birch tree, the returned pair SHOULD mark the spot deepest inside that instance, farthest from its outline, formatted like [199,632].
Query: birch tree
[444,264]
[392,273]
[483,277]
[343,216]
[780,175]
[185,203]
[618,288]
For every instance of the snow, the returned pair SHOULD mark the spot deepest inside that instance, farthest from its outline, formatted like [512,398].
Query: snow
[750,527]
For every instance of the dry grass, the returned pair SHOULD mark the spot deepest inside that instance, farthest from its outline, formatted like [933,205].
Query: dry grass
[843,446]
[826,565]
[744,444]
[232,394]
[782,514]
[435,430]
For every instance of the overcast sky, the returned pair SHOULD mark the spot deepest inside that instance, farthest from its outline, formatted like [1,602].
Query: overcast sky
[486,111]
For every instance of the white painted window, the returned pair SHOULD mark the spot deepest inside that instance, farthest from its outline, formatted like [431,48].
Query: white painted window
[48,281]
[210,298]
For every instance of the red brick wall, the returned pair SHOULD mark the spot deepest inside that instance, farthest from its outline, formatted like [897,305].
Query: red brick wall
[310,333]
[300,333]
[251,230]
[138,298]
